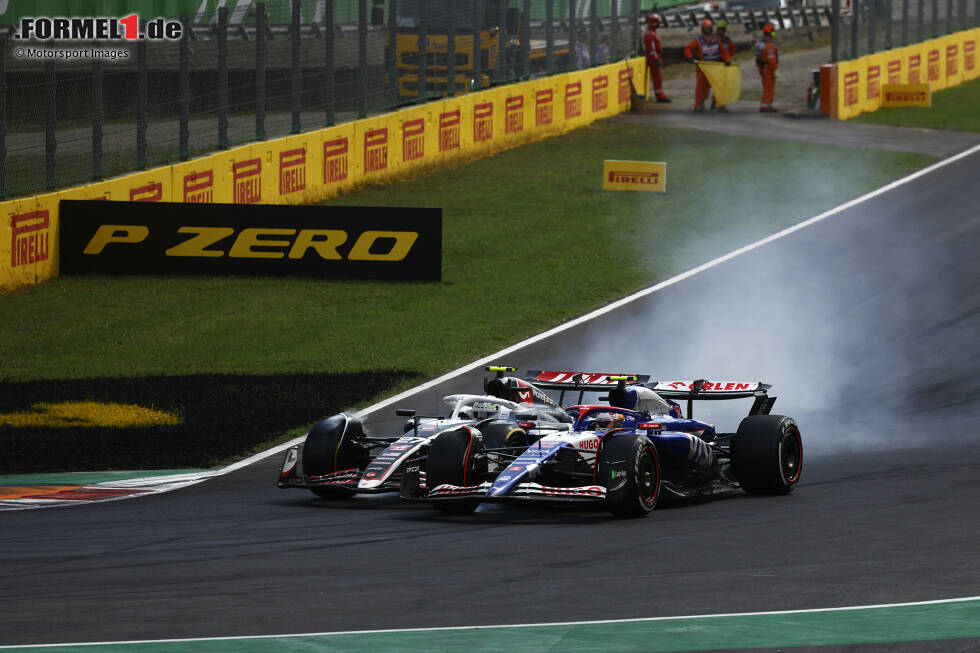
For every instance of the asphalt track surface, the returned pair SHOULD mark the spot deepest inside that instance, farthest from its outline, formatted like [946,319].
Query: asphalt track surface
[866,323]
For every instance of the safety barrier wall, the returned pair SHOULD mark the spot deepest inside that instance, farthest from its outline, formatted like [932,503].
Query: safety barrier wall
[850,88]
[318,165]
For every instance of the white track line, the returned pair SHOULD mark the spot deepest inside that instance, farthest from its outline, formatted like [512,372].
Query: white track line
[502,626]
[192,479]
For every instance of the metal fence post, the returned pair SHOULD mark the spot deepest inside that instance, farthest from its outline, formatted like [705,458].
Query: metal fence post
[905,22]
[329,88]
[835,28]
[50,121]
[889,12]
[526,41]
[362,59]
[423,49]
[141,104]
[634,32]
[949,16]
[872,25]
[855,26]
[477,81]
[223,78]
[614,18]
[593,33]
[184,92]
[260,18]
[572,35]
[502,34]
[97,116]
[295,72]
[549,36]
[935,18]
[3,116]
[921,20]
[451,52]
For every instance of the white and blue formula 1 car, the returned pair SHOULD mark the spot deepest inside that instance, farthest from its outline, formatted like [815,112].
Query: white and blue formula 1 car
[625,455]
[338,459]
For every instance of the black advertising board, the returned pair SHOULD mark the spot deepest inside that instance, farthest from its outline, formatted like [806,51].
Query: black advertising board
[99,237]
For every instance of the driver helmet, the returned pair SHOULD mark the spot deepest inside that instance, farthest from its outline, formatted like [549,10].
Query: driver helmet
[606,421]
[483,410]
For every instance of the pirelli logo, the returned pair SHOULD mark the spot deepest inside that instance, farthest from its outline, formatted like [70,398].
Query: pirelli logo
[874,82]
[573,100]
[514,114]
[969,56]
[413,139]
[952,60]
[151,192]
[915,69]
[199,187]
[292,171]
[196,238]
[933,66]
[851,91]
[624,85]
[634,175]
[376,150]
[483,122]
[449,130]
[895,71]
[544,107]
[600,93]
[29,238]
[336,160]
[246,179]
[906,95]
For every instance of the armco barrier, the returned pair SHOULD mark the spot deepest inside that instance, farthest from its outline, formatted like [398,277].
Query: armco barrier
[321,164]
[850,88]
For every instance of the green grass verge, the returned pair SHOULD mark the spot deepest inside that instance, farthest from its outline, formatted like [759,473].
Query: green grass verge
[956,108]
[530,240]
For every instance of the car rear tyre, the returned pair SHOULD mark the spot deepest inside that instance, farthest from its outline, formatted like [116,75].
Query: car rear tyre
[332,445]
[629,467]
[455,459]
[767,454]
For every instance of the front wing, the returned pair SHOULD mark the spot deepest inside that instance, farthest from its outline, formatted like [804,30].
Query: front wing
[522,492]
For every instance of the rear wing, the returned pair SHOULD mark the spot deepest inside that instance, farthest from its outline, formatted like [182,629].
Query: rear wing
[702,389]
[581,382]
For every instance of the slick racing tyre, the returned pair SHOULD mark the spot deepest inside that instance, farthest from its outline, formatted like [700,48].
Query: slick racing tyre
[456,458]
[497,435]
[629,466]
[767,454]
[333,445]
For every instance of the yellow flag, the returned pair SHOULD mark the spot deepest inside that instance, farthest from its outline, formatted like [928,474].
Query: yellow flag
[726,81]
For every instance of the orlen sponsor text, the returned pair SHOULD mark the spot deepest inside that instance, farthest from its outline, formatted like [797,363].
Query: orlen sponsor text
[29,237]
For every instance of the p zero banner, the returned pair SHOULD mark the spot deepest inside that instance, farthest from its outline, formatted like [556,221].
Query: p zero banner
[100,237]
